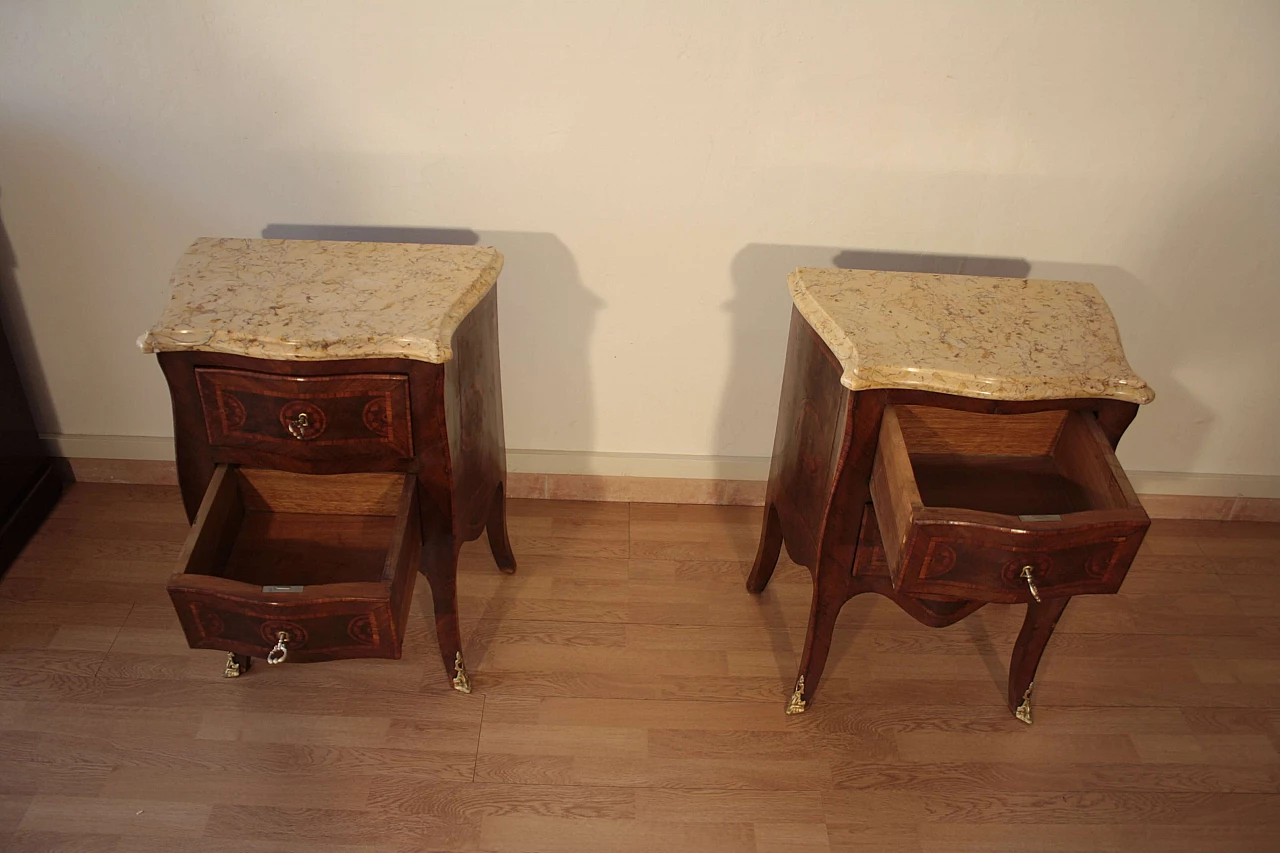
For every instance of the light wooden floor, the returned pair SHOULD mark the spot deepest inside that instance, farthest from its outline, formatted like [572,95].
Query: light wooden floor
[629,697]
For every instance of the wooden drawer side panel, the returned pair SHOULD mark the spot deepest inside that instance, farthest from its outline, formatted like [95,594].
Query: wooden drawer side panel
[893,491]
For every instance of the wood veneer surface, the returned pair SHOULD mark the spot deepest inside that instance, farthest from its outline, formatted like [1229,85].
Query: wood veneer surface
[628,698]
[300,548]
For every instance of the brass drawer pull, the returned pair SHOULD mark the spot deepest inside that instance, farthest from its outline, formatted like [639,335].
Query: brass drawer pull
[1031,582]
[298,426]
[279,653]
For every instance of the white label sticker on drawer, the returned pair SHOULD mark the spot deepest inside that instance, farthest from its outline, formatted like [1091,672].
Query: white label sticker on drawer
[283,588]
[1049,517]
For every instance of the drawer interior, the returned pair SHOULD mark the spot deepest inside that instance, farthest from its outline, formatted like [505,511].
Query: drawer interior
[324,563]
[979,506]
[276,528]
[1040,464]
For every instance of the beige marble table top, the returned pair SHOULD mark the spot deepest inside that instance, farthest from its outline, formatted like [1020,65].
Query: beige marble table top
[997,338]
[310,299]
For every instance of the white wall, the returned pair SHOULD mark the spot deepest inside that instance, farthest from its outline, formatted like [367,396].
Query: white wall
[652,171]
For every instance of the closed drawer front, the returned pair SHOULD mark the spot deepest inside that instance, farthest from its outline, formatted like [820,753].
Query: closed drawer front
[326,561]
[356,416]
[1002,508]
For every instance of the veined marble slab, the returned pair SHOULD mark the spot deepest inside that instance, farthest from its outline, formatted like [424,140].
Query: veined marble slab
[311,299]
[997,338]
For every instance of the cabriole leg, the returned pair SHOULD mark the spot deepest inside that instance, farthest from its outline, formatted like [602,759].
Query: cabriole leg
[828,599]
[768,551]
[1037,628]
[496,526]
[440,565]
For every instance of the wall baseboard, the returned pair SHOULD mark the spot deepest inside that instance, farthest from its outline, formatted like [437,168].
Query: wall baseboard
[655,478]
[141,472]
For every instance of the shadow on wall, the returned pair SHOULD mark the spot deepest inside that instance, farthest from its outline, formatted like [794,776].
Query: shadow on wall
[372,234]
[761,314]
[545,321]
[1156,359]
[15,334]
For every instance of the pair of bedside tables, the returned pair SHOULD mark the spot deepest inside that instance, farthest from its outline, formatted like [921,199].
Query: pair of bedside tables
[945,441]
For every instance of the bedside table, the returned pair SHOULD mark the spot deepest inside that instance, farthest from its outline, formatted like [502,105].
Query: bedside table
[337,417]
[947,442]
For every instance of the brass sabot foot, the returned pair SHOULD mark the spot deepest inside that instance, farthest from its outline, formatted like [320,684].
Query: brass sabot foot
[1023,711]
[797,704]
[233,668]
[460,681]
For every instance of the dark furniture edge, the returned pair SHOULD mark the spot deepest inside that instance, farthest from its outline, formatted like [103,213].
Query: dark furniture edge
[32,509]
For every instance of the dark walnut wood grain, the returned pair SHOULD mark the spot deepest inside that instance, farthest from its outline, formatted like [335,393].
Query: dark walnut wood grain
[920,497]
[445,428]
[331,566]
[1028,493]
[354,417]
[30,482]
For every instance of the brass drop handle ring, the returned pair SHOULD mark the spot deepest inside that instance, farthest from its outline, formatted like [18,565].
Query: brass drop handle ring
[279,653]
[1031,582]
[298,425]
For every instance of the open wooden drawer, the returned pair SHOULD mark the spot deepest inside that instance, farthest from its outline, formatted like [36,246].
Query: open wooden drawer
[1002,508]
[326,561]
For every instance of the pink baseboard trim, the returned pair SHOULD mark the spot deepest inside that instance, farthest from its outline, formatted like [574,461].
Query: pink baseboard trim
[141,472]
[593,487]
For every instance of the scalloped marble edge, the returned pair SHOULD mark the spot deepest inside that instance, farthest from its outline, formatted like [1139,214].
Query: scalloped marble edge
[437,350]
[858,378]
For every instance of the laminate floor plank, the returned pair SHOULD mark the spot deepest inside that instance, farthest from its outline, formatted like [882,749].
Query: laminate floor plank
[531,834]
[628,695]
[116,816]
[1063,776]
[85,841]
[459,804]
